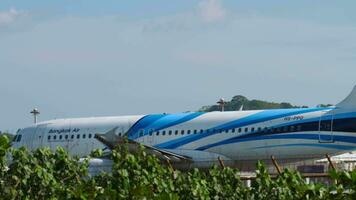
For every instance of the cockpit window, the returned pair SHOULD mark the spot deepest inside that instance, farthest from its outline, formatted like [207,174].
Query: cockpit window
[14,139]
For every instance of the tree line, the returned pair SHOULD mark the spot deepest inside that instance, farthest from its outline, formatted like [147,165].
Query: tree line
[240,101]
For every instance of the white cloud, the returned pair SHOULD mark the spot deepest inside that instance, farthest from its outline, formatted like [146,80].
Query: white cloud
[10,16]
[14,20]
[211,10]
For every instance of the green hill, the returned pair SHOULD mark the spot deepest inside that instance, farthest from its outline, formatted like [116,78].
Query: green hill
[239,100]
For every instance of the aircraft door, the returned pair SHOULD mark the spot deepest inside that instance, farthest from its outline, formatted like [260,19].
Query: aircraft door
[326,128]
[38,137]
[29,138]
[41,132]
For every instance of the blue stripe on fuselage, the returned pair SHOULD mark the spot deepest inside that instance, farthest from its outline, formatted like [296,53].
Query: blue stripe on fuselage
[172,120]
[337,116]
[322,145]
[142,123]
[338,138]
[248,120]
[160,121]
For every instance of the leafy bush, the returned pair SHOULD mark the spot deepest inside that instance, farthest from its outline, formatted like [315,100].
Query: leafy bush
[44,174]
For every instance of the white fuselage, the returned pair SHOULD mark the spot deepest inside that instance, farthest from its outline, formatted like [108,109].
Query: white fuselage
[288,134]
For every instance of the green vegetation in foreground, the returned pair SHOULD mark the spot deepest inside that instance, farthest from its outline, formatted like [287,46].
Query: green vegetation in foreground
[239,100]
[8,135]
[55,175]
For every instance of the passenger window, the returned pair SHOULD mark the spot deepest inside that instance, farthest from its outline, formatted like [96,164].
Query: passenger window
[201,131]
[299,128]
[252,129]
[55,137]
[246,130]
[150,132]
[285,129]
[49,137]
[72,136]
[227,130]
[182,132]
[141,133]
[60,137]
[170,132]
[66,137]
[259,129]
[157,132]
[78,136]
[240,130]
[84,136]
[176,132]
[195,131]
[188,132]
[163,132]
[292,128]
[90,135]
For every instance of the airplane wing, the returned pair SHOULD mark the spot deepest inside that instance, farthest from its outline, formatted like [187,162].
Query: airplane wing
[111,140]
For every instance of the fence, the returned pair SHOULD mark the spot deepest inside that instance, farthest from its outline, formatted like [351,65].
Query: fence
[314,171]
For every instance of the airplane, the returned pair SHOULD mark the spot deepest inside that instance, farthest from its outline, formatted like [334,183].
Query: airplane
[201,139]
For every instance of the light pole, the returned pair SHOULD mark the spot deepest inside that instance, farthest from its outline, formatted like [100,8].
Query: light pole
[35,112]
[221,103]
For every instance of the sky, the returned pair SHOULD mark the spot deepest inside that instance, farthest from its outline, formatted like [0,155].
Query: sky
[80,58]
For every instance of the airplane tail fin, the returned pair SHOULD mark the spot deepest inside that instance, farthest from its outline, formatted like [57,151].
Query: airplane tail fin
[349,102]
